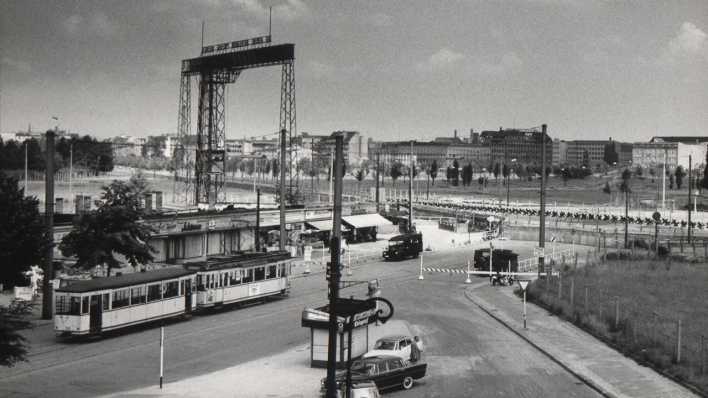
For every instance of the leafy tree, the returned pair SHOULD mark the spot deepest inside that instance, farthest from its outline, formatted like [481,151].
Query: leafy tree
[434,171]
[679,173]
[480,181]
[505,171]
[114,227]
[275,168]
[13,346]
[626,177]
[496,171]
[467,174]
[607,188]
[455,172]
[652,173]
[395,171]
[671,181]
[23,235]
[639,171]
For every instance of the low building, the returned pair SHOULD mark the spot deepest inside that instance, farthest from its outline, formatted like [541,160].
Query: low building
[522,145]
[586,152]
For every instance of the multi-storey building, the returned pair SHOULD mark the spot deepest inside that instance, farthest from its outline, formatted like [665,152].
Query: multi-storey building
[476,155]
[355,146]
[586,152]
[618,152]
[522,145]
[649,154]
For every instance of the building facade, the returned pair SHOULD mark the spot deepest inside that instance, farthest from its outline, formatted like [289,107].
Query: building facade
[476,155]
[650,154]
[586,152]
[522,145]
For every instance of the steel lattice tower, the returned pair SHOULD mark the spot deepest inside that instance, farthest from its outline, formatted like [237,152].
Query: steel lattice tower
[218,66]
[287,115]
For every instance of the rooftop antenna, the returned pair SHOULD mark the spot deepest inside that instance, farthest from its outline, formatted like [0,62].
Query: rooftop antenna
[202,36]
[270,18]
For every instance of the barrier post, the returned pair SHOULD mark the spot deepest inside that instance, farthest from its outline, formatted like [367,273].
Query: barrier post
[420,277]
[678,341]
[468,280]
[162,352]
[349,262]
[572,293]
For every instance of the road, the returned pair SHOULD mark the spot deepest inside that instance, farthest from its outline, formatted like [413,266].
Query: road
[469,354]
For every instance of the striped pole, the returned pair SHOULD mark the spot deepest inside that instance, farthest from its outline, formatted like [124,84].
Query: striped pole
[420,277]
[468,280]
[162,352]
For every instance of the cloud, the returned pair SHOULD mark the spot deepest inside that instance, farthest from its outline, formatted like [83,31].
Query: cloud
[97,24]
[508,63]
[17,64]
[320,69]
[440,60]
[287,10]
[689,41]
[380,20]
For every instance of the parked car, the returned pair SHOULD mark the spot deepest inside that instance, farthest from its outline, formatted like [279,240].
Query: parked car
[399,346]
[360,389]
[387,371]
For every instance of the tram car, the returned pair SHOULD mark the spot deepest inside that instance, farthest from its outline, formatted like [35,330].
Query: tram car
[225,280]
[90,307]
[104,304]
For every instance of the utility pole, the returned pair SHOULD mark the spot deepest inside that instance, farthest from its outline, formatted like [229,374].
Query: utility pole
[26,168]
[410,193]
[542,212]
[333,271]
[663,183]
[71,171]
[47,299]
[626,216]
[378,171]
[283,136]
[258,220]
[331,176]
[689,198]
[508,172]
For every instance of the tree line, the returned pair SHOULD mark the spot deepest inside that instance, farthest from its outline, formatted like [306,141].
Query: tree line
[88,153]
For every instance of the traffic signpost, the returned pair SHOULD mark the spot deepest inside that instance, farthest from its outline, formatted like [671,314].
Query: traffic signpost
[523,284]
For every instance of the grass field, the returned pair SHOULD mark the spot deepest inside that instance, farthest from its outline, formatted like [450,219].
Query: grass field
[636,306]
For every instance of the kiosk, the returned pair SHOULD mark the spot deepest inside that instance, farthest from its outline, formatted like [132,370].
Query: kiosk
[357,314]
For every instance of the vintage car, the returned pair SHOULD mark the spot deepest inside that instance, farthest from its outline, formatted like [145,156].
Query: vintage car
[399,346]
[360,389]
[386,371]
[403,246]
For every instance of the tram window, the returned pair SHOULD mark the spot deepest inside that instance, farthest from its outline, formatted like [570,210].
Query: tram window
[74,305]
[235,277]
[281,270]
[84,305]
[212,281]
[200,285]
[259,273]
[225,279]
[181,287]
[137,295]
[121,298]
[171,289]
[153,293]
[272,270]
[105,301]
[247,275]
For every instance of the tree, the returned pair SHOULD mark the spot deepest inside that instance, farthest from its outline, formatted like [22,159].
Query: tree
[639,171]
[13,346]
[24,237]
[626,176]
[505,171]
[455,172]
[395,171]
[679,173]
[114,227]
[434,171]
[652,173]
[671,181]
[607,188]
[496,171]
[467,175]
[275,168]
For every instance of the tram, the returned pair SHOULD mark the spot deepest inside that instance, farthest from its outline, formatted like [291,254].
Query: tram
[230,279]
[90,307]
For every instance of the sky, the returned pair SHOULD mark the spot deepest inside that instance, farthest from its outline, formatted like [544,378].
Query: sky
[414,69]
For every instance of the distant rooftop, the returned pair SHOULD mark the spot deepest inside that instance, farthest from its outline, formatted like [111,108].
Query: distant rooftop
[681,139]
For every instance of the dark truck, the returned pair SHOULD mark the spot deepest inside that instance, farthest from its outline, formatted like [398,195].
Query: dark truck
[502,261]
[404,246]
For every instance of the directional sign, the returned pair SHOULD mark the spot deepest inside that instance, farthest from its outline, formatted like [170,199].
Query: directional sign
[523,284]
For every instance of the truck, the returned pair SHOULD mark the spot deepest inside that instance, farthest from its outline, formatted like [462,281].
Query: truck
[403,246]
[501,262]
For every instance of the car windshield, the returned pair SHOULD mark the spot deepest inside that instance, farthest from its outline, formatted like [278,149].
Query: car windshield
[364,367]
[385,345]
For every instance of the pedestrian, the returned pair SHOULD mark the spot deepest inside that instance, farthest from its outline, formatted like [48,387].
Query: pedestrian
[418,343]
[415,350]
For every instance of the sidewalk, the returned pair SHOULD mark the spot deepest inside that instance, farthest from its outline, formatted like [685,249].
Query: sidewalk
[288,375]
[603,368]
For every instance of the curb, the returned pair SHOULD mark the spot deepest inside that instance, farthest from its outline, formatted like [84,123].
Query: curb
[588,381]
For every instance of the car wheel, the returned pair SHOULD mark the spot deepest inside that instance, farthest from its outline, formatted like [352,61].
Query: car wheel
[407,383]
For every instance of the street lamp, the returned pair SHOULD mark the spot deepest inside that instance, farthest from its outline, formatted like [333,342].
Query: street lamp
[508,178]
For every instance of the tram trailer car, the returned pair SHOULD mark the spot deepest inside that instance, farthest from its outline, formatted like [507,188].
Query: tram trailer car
[104,304]
[226,280]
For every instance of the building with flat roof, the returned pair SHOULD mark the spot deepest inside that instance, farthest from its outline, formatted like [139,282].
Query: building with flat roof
[586,152]
[522,145]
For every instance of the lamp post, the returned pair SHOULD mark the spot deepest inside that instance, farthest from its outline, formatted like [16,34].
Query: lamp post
[508,178]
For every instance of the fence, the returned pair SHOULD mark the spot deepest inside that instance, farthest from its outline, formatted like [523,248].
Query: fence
[666,339]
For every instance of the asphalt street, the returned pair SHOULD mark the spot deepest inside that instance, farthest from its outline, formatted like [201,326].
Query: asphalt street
[469,354]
